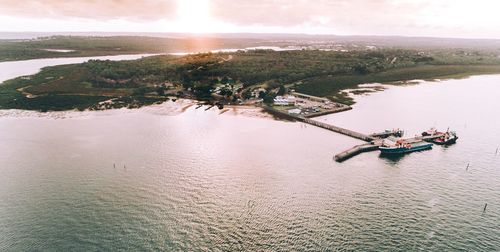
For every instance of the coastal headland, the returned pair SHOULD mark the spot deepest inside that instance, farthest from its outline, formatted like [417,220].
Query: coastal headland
[238,77]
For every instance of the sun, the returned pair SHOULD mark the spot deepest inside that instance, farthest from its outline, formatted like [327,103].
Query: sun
[194,16]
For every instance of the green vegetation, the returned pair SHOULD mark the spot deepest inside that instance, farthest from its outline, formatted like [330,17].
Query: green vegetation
[342,97]
[100,46]
[53,102]
[330,85]
[233,76]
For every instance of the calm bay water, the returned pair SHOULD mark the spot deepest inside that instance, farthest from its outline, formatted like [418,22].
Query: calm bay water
[200,180]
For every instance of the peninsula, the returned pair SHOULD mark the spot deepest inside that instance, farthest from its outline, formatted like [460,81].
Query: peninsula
[236,77]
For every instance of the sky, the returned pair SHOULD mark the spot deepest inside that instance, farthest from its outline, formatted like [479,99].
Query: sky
[430,18]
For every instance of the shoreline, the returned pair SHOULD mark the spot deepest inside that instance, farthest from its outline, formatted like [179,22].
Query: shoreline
[183,104]
[167,108]
[381,86]
[146,54]
[392,77]
[219,78]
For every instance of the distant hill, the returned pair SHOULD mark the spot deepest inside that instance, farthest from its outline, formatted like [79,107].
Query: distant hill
[381,41]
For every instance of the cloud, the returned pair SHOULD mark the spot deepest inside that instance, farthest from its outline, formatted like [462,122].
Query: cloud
[352,14]
[441,18]
[457,18]
[90,9]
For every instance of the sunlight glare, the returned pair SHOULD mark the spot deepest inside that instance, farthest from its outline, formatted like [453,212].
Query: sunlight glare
[194,16]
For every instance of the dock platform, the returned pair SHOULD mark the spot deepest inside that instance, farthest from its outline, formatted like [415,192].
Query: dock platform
[373,146]
[374,141]
[358,149]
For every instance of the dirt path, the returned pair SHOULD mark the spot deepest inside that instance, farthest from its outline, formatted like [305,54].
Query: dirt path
[28,95]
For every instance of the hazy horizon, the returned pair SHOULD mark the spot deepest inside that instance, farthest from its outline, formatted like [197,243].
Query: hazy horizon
[407,18]
[243,35]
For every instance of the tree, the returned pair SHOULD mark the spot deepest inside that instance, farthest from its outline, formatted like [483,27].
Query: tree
[361,69]
[273,84]
[203,92]
[226,92]
[160,90]
[247,94]
[262,94]
[282,90]
[213,81]
[140,91]
[269,98]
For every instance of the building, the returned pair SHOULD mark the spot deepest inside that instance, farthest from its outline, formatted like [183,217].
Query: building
[311,97]
[294,111]
[284,100]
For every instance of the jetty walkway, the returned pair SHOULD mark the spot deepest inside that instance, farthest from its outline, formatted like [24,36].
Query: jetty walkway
[323,125]
[339,130]
[374,141]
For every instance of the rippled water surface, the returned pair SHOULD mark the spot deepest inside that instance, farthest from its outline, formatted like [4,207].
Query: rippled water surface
[162,179]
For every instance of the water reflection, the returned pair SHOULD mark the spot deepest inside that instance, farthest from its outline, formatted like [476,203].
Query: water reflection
[199,180]
[392,159]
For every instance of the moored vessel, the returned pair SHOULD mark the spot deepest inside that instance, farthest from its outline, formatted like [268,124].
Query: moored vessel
[401,146]
[449,137]
[440,138]
[431,132]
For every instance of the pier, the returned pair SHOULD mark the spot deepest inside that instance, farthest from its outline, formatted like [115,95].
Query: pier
[374,141]
[388,133]
[339,130]
[326,126]
[358,149]
[373,146]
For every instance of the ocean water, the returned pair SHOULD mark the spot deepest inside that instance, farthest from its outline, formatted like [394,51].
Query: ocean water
[173,178]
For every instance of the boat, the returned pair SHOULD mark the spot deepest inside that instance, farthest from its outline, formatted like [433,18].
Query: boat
[450,137]
[431,132]
[400,146]
[441,138]
[388,133]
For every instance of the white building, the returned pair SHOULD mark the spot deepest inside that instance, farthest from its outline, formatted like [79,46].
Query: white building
[284,100]
[295,111]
